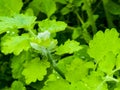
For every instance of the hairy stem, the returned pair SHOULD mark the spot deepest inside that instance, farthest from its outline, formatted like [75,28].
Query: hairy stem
[53,64]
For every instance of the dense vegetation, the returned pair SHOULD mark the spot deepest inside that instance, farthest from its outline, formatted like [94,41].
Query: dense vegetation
[59,45]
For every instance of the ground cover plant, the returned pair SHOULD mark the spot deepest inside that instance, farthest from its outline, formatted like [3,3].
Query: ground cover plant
[59,45]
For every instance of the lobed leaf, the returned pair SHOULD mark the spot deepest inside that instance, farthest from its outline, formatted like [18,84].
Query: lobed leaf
[17,85]
[52,26]
[17,64]
[46,6]
[68,47]
[10,7]
[103,64]
[35,70]
[95,81]
[103,43]
[17,21]
[15,44]
[77,70]
[57,85]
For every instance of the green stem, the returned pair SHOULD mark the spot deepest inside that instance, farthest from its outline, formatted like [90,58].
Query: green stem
[71,28]
[86,34]
[90,16]
[97,6]
[114,71]
[78,16]
[32,33]
[108,16]
[53,64]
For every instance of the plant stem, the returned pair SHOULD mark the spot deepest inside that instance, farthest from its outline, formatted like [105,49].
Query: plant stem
[53,64]
[78,16]
[97,5]
[90,16]
[108,16]
[114,71]
[86,34]
[71,28]
[31,32]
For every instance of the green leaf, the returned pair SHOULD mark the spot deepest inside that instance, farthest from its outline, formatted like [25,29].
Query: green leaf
[46,6]
[95,82]
[83,53]
[61,1]
[103,64]
[17,21]
[77,70]
[52,26]
[15,44]
[118,86]
[17,64]
[35,70]
[10,7]
[56,85]
[52,77]
[17,85]
[68,47]
[65,10]
[64,62]
[118,61]
[103,43]
[77,3]
[113,7]
[79,86]
[77,32]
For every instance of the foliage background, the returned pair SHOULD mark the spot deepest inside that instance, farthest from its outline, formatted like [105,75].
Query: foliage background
[59,44]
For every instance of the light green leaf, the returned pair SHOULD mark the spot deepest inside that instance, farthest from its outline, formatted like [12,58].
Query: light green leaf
[77,70]
[17,64]
[68,47]
[52,77]
[77,32]
[103,64]
[95,81]
[10,7]
[15,44]
[17,85]
[52,25]
[79,86]
[35,70]
[56,85]
[46,6]
[64,62]
[17,21]
[77,3]
[118,61]
[103,43]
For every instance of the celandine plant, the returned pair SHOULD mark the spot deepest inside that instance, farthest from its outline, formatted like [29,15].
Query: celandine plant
[55,45]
